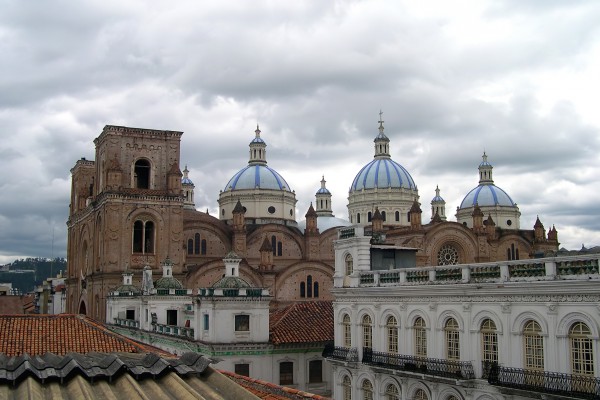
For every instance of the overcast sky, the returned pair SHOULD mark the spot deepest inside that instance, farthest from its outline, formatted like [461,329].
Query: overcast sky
[518,79]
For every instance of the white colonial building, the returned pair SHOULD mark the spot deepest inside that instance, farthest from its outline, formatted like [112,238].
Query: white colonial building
[229,322]
[499,330]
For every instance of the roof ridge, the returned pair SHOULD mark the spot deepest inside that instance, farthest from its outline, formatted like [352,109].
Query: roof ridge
[285,312]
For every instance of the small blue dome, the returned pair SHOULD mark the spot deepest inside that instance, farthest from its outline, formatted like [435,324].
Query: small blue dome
[257,176]
[257,140]
[437,198]
[323,191]
[186,181]
[383,173]
[487,195]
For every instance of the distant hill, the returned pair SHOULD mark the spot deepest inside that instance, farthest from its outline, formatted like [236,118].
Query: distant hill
[26,274]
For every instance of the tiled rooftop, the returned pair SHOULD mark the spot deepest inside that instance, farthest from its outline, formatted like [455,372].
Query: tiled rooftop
[269,391]
[62,334]
[302,323]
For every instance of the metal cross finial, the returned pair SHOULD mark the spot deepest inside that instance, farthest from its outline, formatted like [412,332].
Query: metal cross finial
[380,117]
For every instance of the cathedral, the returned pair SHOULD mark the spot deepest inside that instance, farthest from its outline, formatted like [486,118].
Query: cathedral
[133,207]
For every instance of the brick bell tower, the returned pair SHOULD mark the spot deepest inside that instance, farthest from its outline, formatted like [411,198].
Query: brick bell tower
[126,213]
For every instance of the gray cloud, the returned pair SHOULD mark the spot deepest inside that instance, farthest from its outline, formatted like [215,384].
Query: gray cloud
[314,75]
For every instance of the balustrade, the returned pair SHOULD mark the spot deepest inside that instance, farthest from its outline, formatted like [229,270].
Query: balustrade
[340,353]
[574,386]
[174,330]
[579,267]
[423,365]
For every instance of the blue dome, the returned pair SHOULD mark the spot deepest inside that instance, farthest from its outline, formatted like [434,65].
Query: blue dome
[323,191]
[437,198]
[487,195]
[383,173]
[186,181]
[257,140]
[257,176]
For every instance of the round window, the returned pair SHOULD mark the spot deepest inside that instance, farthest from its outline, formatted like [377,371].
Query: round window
[447,255]
[271,210]
[509,222]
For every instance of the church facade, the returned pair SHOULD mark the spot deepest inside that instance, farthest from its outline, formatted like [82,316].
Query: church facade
[132,208]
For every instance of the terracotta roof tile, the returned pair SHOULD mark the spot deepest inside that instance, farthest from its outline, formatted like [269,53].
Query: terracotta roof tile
[62,334]
[270,391]
[302,323]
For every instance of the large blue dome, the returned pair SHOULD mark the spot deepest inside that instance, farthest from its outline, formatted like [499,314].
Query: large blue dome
[383,173]
[257,177]
[487,195]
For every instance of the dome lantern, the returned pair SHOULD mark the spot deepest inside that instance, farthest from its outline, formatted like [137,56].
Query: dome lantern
[258,149]
[382,142]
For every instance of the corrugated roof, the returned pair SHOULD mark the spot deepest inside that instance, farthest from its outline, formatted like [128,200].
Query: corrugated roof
[61,334]
[302,323]
[114,376]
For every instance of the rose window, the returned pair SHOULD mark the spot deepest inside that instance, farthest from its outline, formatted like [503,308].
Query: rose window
[447,255]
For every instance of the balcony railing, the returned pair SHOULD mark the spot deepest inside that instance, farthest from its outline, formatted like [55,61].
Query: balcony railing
[583,267]
[340,353]
[127,322]
[423,365]
[577,386]
[174,330]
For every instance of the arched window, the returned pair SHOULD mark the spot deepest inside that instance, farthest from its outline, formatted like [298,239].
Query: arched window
[279,249]
[143,237]
[391,326]
[349,265]
[367,327]
[316,290]
[452,339]
[392,392]
[274,244]
[203,247]
[582,351]
[369,216]
[420,337]
[367,389]
[533,346]
[141,174]
[489,342]
[397,216]
[197,243]
[347,331]
[346,388]
[420,395]
[383,215]
[302,289]
[358,218]
[309,283]
[190,246]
